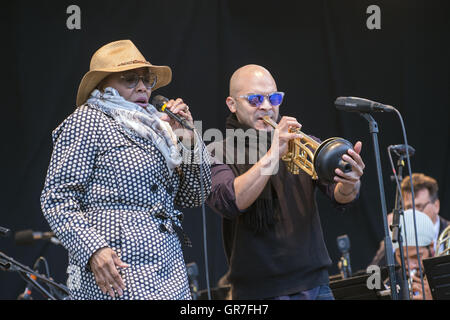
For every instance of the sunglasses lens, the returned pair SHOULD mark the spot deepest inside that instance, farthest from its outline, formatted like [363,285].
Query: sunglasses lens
[276,99]
[149,80]
[130,80]
[255,99]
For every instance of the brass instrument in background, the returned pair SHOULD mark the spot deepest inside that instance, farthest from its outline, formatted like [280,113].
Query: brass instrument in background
[319,160]
[444,239]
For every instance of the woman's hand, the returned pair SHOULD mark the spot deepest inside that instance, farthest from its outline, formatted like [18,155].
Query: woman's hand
[104,263]
[181,109]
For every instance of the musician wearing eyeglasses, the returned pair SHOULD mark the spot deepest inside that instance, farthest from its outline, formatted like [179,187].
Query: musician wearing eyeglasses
[426,200]
[271,229]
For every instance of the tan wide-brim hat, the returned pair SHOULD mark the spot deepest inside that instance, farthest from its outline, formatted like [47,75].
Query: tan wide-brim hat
[118,56]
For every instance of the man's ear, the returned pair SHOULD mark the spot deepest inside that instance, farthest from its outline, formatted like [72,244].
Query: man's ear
[231,103]
[437,203]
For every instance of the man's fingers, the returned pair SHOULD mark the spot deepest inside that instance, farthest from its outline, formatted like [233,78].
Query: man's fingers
[357,158]
[290,123]
[356,167]
[358,146]
[345,180]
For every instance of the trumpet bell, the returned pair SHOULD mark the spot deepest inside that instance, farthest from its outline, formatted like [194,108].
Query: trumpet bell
[328,157]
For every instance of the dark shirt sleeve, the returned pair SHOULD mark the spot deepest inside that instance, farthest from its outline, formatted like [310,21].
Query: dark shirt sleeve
[222,198]
[328,190]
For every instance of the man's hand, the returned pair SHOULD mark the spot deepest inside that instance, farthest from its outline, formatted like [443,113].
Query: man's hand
[282,136]
[104,263]
[348,184]
[417,289]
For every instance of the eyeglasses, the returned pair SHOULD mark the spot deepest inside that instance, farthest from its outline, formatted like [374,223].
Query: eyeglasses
[131,80]
[255,100]
[419,207]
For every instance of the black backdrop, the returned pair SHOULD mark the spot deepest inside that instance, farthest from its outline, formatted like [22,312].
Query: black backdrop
[316,50]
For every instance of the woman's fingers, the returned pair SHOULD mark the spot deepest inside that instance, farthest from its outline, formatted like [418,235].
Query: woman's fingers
[104,265]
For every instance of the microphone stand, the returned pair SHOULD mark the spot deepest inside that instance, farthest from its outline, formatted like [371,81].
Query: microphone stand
[373,128]
[9,264]
[395,227]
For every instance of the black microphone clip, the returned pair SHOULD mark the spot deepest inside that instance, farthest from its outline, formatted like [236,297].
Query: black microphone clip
[400,150]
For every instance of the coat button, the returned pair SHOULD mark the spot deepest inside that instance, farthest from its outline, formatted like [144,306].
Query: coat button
[169,189]
[162,227]
[154,188]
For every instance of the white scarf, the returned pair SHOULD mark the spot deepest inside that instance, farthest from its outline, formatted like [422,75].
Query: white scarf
[145,123]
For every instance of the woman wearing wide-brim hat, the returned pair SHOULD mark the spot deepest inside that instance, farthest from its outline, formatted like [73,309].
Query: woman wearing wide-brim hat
[118,168]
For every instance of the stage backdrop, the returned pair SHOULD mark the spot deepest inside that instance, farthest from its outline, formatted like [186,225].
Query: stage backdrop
[316,51]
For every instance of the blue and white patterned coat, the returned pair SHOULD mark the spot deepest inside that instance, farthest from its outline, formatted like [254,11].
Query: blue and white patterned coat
[106,187]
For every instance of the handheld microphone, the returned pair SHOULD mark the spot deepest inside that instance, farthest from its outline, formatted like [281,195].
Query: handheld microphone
[28,237]
[400,149]
[354,104]
[160,103]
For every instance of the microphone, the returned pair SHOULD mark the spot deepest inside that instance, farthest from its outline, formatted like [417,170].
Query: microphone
[400,149]
[28,237]
[354,104]
[343,243]
[160,103]
[4,232]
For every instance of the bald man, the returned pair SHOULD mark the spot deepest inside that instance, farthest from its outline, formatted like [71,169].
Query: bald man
[271,228]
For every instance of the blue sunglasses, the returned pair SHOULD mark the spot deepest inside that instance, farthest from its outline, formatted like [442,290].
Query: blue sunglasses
[255,100]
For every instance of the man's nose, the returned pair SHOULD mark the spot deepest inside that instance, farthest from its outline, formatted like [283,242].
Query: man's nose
[413,264]
[265,105]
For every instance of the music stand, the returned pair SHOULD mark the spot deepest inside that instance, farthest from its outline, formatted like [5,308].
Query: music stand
[437,270]
[354,288]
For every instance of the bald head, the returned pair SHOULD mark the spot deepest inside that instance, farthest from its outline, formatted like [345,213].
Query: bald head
[250,78]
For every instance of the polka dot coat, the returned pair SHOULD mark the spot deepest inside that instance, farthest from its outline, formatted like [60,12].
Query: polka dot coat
[106,187]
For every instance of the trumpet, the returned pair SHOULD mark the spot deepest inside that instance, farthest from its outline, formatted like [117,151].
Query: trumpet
[319,160]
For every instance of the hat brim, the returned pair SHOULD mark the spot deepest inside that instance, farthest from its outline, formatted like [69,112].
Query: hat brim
[94,77]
